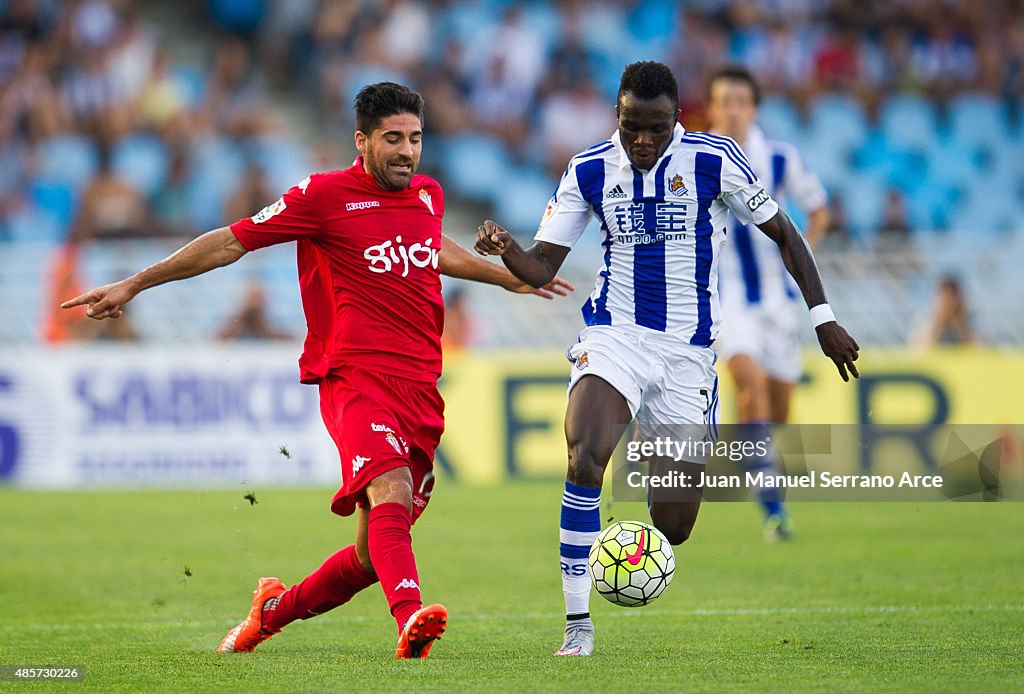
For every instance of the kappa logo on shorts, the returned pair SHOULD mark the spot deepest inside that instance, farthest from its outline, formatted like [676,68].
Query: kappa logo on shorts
[582,361]
[358,462]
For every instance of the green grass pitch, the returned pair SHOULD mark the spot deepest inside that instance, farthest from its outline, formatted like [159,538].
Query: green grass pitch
[868,597]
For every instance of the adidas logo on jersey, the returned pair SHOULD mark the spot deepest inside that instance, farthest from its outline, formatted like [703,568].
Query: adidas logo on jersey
[407,583]
[616,193]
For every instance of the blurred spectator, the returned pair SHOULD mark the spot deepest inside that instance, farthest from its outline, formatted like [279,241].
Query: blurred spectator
[171,208]
[234,96]
[133,50]
[111,208]
[251,196]
[838,226]
[894,217]
[445,94]
[950,321]
[406,31]
[499,102]
[160,99]
[945,60]
[31,108]
[90,90]
[510,49]
[24,23]
[572,120]
[64,282]
[251,322]
[458,324]
[838,63]
[287,43]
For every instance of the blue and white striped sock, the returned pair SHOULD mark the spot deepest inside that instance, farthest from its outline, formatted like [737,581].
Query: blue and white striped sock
[580,525]
[770,497]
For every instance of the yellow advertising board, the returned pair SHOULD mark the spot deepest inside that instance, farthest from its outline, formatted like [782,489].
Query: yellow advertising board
[505,409]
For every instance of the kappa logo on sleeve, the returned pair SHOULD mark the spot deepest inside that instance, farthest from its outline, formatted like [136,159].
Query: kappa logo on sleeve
[304,183]
[758,200]
[269,211]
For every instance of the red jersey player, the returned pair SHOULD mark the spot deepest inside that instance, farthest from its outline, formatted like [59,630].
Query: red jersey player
[370,255]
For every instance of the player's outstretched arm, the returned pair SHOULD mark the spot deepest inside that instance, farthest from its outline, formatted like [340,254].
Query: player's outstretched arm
[211,250]
[835,342]
[536,265]
[460,262]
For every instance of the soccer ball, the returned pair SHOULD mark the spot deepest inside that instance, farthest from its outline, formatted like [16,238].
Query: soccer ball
[631,563]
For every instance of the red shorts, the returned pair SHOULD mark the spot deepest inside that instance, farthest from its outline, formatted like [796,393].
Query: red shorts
[379,423]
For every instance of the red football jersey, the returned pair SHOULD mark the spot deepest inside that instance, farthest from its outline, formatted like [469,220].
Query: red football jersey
[368,270]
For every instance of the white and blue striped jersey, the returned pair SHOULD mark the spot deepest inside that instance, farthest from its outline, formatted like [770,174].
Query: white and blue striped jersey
[663,229]
[751,270]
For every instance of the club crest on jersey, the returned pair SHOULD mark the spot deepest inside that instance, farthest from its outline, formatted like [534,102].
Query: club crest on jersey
[582,361]
[269,211]
[677,187]
[427,200]
[393,441]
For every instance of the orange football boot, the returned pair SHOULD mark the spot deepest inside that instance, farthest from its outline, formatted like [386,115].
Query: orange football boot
[423,628]
[251,633]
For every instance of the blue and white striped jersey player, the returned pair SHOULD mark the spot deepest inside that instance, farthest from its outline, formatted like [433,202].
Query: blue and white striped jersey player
[761,305]
[662,196]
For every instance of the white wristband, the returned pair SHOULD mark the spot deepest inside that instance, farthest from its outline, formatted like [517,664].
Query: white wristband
[822,313]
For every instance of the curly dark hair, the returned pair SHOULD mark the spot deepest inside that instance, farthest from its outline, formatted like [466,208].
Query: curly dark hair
[377,101]
[648,79]
[733,73]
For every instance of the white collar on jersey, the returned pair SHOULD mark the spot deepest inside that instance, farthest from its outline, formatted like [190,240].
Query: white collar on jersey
[625,163]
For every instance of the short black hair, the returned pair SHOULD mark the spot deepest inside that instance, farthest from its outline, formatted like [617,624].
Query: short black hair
[734,73]
[375,102]
[648,79]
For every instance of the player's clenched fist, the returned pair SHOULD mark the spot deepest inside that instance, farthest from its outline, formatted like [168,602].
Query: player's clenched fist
[491,239]
[104,302]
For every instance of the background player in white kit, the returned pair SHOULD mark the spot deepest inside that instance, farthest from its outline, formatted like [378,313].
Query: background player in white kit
[662,196]
[762,312]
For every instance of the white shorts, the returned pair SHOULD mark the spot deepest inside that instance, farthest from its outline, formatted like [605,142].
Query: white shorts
[665,381]
[768,334]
